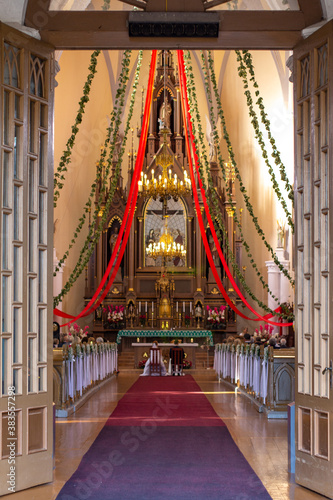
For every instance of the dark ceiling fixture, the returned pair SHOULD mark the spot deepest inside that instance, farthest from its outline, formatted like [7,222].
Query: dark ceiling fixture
[174,24]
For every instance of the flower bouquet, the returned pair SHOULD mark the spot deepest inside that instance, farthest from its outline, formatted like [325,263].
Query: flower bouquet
[142,363]
[187,364]
[216,318]
[115,317]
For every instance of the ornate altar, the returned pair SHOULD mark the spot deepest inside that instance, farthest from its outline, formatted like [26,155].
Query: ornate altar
[157,292]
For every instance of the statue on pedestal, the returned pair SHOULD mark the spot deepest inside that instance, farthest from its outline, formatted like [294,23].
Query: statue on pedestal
[165,113]
[280,234]
[198,313]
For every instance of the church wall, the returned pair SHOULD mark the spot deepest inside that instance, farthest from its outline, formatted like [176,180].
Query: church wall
[81,171]
[249,160]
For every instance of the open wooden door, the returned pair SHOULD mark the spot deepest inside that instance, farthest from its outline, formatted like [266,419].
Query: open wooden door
[313,83]
[26,225]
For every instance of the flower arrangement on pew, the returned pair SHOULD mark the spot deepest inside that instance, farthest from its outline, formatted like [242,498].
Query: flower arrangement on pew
[76,333]
[216,318]
[115,316]
[265,336]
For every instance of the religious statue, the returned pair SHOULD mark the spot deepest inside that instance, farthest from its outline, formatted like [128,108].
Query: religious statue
[198,313]
[131,313]
[280,234]
[113,239]
[212,148]
[165,113]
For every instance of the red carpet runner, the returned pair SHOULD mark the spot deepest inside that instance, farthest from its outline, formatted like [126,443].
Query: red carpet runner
[164,441]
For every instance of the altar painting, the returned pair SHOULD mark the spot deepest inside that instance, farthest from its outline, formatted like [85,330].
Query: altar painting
[155,227]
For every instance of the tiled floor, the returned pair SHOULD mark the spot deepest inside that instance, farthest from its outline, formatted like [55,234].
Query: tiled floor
[262,441]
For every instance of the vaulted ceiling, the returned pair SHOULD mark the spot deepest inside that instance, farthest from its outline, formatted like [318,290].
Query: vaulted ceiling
[108,29]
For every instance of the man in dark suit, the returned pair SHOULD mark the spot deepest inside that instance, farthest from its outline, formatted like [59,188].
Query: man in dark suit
[176,356]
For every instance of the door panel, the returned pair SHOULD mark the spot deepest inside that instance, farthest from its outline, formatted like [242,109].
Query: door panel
[26,220]
[313,67]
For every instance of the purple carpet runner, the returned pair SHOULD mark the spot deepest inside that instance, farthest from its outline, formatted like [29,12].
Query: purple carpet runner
[164,441]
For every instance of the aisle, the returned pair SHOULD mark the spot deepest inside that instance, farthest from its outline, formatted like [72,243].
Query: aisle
[164,441]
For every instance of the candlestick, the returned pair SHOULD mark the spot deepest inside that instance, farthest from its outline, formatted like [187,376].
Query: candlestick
[183,307]
[139,306]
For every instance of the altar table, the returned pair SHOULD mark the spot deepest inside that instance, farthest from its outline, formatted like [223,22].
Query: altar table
[165,333]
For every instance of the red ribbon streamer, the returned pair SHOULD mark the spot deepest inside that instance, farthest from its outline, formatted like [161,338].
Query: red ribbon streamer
[207,248]
[130,207]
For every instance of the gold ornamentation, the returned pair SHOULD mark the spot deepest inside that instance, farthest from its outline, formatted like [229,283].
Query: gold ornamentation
[165,186]
[214,291]
[115,290]
[230,211]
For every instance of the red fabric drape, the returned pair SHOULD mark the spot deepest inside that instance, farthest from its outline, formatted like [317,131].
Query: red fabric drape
[129,211]
[187,119]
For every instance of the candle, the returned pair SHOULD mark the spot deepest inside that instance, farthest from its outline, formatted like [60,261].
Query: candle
[177,306]
[139,307]
[183,307]
[146,306]
[190,306]
[152,306]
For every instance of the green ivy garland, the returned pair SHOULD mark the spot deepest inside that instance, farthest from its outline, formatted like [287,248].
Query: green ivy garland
[247,58]
[242,187]
[92,240]
[66,156]
[220,226]
[259,136]
[106,5]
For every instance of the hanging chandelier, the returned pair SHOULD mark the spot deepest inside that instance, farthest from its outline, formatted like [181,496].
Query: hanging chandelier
[166,185]
[166,247]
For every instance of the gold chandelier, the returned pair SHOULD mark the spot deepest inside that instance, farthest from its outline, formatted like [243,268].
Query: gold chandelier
[167,185]
[166,247]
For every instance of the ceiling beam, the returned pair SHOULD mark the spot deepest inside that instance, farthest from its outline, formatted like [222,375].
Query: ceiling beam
[312,10]
[109,29]
[119,40]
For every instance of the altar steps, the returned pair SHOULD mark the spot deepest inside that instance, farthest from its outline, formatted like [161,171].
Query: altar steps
[126,361]
[201,360]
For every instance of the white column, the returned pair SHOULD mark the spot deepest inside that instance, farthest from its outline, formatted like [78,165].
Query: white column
[278,283]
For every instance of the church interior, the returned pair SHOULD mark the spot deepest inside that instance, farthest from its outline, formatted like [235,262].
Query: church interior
[173,190]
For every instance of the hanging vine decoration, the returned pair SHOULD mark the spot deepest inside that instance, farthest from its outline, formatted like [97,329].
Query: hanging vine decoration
[259,136]
[92,240]
[59,176]
[106,5]
[114,121]
[237,173]
[202,153]
[247,58]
